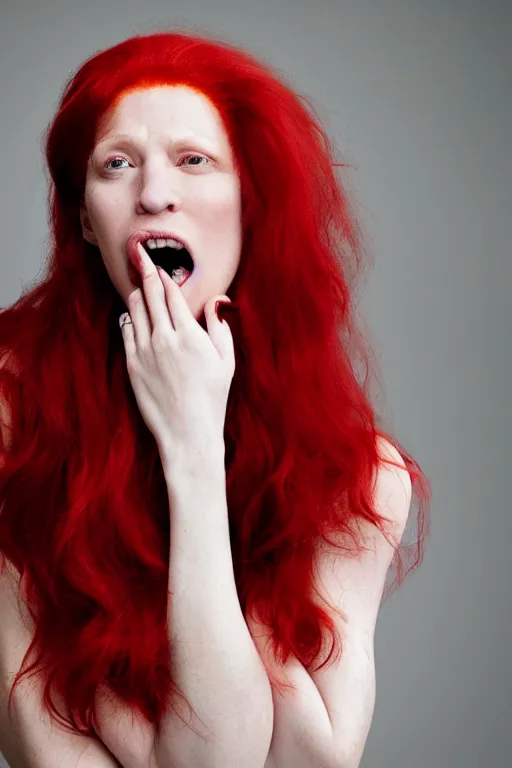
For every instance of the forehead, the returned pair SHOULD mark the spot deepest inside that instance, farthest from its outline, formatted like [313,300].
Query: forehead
[177,109]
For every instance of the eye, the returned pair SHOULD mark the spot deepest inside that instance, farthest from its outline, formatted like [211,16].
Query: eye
[112,159]
[200,157]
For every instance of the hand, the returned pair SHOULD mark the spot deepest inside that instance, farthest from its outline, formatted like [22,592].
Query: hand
[180,374]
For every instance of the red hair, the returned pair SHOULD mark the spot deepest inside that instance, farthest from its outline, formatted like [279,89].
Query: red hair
[84,516]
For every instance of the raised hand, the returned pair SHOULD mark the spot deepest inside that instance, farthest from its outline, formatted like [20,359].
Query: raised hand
[180,374]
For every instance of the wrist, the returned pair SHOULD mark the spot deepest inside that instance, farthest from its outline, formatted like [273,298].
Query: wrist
[194,462]
[202,488]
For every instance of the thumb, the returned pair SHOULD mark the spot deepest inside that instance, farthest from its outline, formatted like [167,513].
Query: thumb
[218,330]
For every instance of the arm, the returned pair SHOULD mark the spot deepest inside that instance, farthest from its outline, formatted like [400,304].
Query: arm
[30,738]
[303,734]
[326,723]
[214,660]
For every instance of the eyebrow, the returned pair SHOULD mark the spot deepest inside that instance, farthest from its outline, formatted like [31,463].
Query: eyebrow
[125,138]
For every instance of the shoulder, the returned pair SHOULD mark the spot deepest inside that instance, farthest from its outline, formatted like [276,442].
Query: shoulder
[391,496]
[393,487]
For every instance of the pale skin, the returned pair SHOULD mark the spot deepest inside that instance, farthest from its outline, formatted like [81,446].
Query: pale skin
[152,188]
[179,174]
[202,204]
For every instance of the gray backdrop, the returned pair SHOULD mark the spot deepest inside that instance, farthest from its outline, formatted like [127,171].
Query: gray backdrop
[418,96]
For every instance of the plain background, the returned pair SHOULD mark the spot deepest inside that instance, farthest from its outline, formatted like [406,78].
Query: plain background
[417,96]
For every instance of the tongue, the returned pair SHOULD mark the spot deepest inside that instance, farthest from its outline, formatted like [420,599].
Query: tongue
[179,275]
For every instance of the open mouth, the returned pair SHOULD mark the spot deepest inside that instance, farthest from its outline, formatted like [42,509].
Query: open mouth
[177,262]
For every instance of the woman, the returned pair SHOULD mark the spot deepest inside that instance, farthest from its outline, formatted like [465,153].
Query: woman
[124,450]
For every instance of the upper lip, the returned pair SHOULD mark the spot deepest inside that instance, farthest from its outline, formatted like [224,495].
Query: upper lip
[147,234]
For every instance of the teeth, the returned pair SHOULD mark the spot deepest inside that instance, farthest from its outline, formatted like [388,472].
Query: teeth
[170,242]
[178,274]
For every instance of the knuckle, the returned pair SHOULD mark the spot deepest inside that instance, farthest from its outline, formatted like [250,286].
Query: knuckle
[145,351]
[131,363]
[134,298]
[160,339]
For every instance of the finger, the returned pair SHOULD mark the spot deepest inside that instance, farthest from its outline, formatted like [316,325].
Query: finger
[218,330]
[128,335]
[138,313]
[154,293]
[177,305]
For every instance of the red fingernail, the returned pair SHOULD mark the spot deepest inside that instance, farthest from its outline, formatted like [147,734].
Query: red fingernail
[222,301]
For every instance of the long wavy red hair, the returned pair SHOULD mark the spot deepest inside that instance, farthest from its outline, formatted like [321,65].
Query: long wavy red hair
[84,505]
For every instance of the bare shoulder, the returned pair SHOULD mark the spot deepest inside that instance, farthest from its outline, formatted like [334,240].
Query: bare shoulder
[393,489]
[392,495]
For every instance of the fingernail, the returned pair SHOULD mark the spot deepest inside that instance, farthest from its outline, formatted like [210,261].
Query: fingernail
[220,301]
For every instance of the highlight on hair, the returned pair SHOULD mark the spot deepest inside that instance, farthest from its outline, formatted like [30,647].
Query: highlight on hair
[84,506]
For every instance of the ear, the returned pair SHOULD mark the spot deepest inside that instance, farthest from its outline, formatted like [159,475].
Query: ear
[87,230]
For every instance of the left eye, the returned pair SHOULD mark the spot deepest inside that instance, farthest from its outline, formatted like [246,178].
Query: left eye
[200,157]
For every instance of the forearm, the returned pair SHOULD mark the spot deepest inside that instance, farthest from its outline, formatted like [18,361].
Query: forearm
[213,658]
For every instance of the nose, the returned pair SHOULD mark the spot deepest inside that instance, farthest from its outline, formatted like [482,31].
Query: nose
[159,192]
[154,207]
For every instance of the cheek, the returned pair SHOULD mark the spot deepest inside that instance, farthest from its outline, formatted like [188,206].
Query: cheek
[225,229]
[102,201]
[222,202]
[106,216]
